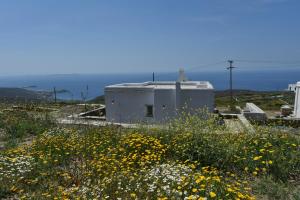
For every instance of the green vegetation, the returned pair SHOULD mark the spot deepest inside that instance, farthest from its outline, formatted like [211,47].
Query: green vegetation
[23,95]
[16,125]
[193,158]
[99,100]
[265,100]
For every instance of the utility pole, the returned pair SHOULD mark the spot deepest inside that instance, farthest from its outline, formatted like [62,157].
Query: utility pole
[54,91]
[230,82]
[153,78]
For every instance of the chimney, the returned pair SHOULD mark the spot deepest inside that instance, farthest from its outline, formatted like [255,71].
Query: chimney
[182,77]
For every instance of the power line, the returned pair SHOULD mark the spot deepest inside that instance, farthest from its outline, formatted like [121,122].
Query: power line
[204,65]
[270,62]
[294,64]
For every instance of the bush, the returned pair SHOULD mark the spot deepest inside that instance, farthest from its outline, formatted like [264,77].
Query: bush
[19,124]
[264,152]
[268,188]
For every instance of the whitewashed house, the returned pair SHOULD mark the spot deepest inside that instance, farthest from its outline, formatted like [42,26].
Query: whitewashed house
[297,101]
[156,102]
[292,87]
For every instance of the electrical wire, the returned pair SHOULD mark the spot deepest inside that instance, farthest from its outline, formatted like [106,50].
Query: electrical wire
[204,65]
[240,61]
[270,62]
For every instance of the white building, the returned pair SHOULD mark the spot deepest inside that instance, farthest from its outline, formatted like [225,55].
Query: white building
[156,101]
[292,87]
[297,101]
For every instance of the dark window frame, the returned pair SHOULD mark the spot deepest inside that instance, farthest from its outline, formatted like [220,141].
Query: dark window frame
[149,110]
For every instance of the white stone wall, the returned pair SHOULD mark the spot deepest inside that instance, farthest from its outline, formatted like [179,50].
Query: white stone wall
[128,105]
[297,101]
[253,113]
[193,100]
[164,104]
[292,87]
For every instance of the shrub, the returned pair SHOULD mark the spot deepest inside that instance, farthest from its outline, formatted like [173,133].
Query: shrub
[19,124]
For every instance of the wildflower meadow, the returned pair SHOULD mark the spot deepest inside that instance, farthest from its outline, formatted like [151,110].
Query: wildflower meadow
[193,157]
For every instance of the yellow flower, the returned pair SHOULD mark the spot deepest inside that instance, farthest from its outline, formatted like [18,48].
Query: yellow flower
[200,178]
[270,162]
[194,190]
[193,166]
[212,194]
[162,198]
[13,189]
[257,157]
[240,195]
[133,195]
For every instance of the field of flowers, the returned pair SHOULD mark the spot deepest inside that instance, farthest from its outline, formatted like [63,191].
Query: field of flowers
[194,158]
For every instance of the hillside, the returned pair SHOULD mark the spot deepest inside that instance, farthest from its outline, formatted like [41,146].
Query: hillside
[194,158]
[20,94]
[267,100]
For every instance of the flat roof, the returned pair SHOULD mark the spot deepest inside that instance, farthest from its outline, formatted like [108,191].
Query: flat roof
[164,85]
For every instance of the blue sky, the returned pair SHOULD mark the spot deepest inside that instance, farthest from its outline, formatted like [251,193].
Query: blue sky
[130,36]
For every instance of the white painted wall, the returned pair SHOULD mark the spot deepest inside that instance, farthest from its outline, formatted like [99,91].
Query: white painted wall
[193,100]
[128,105]
[292,87]
[297,101]
[253,113]
[164,104]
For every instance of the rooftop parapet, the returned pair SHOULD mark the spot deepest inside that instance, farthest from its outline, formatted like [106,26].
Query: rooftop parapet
[165,85]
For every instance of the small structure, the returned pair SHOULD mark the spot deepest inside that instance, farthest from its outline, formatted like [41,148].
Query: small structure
[97,113]
[155,102]
[253,113]
[286,110]
[182,77]
[297,101]
[292,87]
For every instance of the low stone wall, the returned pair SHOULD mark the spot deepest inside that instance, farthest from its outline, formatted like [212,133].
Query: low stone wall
[254,114]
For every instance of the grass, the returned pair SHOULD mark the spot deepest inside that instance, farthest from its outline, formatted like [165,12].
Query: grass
[19,124]
[268,188]
[194,158]
[265,100]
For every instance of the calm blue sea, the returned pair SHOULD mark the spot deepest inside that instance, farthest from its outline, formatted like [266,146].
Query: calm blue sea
[265,80]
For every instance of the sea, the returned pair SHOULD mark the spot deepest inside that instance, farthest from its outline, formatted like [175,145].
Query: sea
[89,86]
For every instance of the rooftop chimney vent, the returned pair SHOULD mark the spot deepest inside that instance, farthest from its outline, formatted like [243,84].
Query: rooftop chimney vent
[182,77]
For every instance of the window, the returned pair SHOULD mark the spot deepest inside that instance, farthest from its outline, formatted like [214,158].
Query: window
[149,110]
